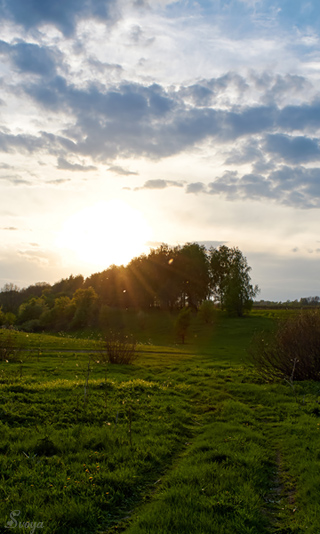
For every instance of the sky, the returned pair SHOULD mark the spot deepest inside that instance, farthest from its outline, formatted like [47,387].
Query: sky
[125,124]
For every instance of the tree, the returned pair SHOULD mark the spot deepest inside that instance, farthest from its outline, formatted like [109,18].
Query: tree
[84,302]
[68,286]
[164,278]
[59,317]
[10,298]
[2,317]
[139,283]
[9,319]
[194,271]
[231,280]
[31,311]
[110,286]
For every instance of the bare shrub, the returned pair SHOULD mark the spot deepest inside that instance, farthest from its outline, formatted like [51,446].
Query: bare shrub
[182,323]
[120,348]
[292,352]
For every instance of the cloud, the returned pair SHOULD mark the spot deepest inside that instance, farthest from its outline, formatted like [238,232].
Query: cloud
[31,58]
[58,181]
[300,117]
[196,187]
[298,149]
[36,256]
[150,120]
[263,166]
[242,16]
[10,228]
[247,153]
[103,122]
[207,92]
[137,36]
[121,171]
[159,184]
[63,15]
[16,180]
[101,66]
[132,118]
[63,164]
[278,88]
[298,187]
[22,142]
[248,121]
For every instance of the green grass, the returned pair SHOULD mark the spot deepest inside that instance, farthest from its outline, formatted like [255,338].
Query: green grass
[186,440]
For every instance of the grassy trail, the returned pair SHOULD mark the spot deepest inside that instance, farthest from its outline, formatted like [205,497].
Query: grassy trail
[237,472]
[242,470]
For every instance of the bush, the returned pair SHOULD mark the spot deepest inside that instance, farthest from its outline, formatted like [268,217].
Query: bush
[120,348]
[292,352]
[9,348]
[207,312]
[9,319]
[33,325]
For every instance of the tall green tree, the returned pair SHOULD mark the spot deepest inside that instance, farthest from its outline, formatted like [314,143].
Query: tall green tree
[194,273]
[11,298]
[60,316]
[84,303]
[32,310]
[140,283]
[231,281]
[164,275]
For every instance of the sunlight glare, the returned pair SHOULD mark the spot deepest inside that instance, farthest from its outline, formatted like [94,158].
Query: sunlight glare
[106,233]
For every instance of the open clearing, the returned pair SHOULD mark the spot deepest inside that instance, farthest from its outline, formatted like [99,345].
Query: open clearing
[186,440]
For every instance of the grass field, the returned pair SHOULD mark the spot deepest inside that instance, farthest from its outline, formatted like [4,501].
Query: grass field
[186,440]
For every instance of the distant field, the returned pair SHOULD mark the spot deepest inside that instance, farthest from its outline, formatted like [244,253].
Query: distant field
[186,440]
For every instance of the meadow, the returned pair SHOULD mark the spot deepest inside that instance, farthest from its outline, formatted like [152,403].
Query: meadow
[188,439]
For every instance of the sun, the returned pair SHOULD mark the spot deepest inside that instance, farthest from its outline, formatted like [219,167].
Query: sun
[105,233]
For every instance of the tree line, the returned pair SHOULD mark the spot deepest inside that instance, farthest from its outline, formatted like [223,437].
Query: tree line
[167,278]
[303,302]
